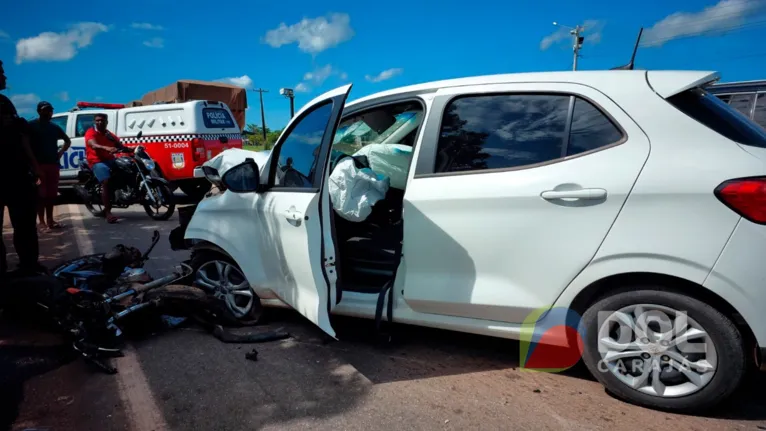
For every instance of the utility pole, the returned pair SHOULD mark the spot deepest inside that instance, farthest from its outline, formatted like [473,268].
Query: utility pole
[260,92]
[290,94]
[578,40]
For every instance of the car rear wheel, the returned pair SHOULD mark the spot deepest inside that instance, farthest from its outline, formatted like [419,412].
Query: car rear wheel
[663,350]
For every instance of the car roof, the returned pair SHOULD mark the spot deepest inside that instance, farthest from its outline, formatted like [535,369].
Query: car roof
[664,82]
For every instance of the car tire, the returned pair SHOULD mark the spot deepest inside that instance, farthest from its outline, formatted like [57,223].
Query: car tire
[204,259]
[729,354]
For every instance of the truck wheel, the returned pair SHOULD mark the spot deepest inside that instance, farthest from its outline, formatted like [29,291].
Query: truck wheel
[220,277]
[196,190]
[663,350]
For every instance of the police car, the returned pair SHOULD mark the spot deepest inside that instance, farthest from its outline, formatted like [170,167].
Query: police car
[178,136]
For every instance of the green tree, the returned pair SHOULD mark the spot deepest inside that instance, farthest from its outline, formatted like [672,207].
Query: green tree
[255,136]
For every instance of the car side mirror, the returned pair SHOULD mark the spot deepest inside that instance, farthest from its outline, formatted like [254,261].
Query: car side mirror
[243,178]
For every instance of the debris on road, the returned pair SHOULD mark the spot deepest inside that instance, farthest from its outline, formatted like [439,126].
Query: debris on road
[228,336]
[252,355]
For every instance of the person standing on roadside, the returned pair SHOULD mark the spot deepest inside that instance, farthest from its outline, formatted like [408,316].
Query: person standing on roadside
[18,192]
[45,137]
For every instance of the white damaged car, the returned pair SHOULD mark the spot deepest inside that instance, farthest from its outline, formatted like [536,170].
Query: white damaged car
[632,200]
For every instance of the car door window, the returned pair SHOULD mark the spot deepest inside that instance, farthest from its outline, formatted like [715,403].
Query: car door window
[83,123]
[742,103]
[591,129]
[512,131]
[297,156]
[501,131]
[61,122]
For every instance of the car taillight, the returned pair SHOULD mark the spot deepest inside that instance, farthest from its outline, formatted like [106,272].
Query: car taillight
[746,197]
[198,149]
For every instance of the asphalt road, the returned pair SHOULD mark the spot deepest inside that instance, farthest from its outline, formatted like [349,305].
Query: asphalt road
[183,378]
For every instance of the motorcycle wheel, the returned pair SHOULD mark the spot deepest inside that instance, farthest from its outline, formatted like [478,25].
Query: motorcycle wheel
[167,205]
[91,198]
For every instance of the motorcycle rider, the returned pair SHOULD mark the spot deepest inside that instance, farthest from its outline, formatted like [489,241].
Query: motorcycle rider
[18,192]
[100,147]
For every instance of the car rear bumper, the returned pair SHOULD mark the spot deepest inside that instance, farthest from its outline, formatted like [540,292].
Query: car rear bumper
[737,277]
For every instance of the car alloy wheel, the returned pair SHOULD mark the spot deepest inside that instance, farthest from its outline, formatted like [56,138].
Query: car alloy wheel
[657,350]
[227,283]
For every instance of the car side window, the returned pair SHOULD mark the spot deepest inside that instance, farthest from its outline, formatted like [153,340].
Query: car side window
[61,121]
[297,156]
[83,123]
[501,131]
[590,129]
[515,130]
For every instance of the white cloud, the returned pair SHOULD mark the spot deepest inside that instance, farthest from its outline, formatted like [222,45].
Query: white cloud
[146,26]
[312,35]
[384,75]
[319,75]
[592,34]
[63,96]
[243,81]
[302,88]
[155,42]
[712,20]
[25,103]
[50,46]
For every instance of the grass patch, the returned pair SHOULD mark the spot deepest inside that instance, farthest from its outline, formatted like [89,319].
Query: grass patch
[253,147]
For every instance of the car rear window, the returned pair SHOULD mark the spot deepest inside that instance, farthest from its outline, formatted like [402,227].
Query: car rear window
[719,117]
[217,118]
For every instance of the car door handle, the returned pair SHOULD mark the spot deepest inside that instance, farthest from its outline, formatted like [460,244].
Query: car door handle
[292,214]
[574,194]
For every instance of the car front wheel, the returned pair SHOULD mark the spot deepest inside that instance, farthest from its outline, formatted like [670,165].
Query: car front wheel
[663,350]
[221,278]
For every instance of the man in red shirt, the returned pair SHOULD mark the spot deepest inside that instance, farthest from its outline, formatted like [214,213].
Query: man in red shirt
[100,146]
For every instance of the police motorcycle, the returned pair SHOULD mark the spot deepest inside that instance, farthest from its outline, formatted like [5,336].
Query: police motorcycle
[134,180]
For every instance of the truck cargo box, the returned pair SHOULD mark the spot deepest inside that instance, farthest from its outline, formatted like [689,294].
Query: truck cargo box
[185,90]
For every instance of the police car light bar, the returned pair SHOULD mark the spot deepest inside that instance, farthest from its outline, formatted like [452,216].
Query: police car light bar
[100,105]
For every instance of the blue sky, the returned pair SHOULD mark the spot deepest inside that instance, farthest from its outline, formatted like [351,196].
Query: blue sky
[116,52]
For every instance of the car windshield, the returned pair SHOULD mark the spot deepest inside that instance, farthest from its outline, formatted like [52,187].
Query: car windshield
[352,135]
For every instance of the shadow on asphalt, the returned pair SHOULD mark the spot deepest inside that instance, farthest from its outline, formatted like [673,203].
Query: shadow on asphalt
[200,382]
[18,364]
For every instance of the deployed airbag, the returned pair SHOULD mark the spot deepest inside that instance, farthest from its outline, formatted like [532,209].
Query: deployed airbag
[354,191]
[390,160]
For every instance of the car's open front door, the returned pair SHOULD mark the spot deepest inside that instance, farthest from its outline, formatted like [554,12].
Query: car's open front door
[292,207]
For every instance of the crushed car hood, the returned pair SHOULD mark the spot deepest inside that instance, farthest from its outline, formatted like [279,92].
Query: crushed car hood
[234,156]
